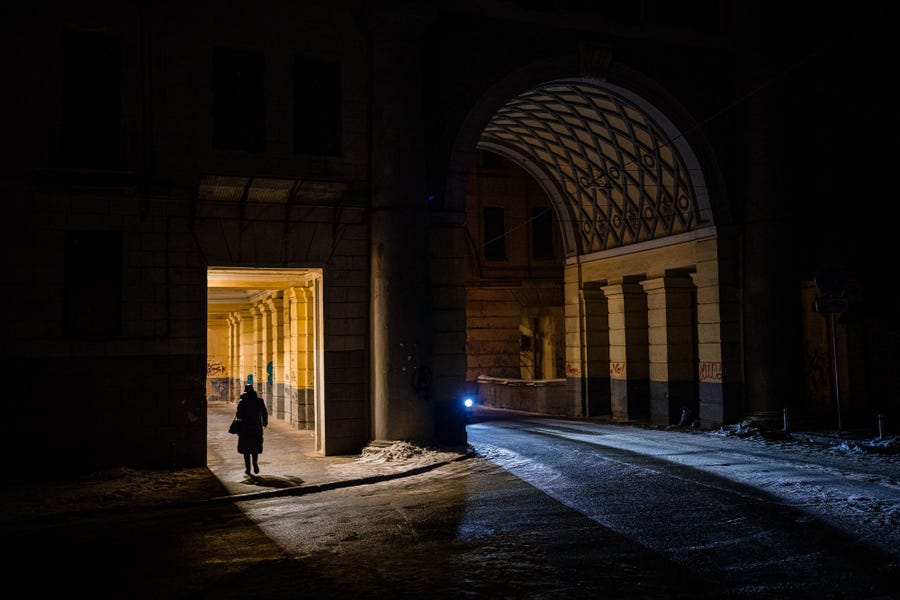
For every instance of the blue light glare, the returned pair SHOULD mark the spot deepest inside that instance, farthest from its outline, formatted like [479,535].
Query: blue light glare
[468,402]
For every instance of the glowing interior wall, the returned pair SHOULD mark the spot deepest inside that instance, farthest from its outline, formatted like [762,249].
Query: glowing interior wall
[270,341]
[218,361]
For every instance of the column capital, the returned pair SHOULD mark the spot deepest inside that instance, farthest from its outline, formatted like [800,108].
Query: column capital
[668,282]
[593,292]
[622,289]
[274,303]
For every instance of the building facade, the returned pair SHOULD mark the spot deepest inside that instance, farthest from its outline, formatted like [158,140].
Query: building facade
[371,209]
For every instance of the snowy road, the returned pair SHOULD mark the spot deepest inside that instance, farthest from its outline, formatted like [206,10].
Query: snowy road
[568,509]
[754,515]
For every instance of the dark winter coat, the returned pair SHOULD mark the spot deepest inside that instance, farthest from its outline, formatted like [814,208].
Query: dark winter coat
[251,410]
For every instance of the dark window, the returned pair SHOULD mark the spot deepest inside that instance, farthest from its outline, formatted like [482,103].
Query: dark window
[238,100]
[699,15]
[489,160]
[541,232]
[93,284]
[317,107]
[90,131]
[494,233]
[623,12]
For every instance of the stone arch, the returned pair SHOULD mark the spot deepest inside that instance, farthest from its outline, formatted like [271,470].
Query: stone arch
[623,172]
[627,172]
[633,93]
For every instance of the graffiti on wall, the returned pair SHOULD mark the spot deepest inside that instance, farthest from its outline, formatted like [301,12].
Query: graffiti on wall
[710,372]
[218,390]
[617,370]
[572,370]
[215,367]
[818,377]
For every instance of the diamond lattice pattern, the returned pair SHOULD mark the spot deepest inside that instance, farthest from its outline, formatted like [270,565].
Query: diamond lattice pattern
[621,175]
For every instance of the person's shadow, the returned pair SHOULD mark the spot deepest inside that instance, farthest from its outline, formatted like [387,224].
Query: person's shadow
[273,481]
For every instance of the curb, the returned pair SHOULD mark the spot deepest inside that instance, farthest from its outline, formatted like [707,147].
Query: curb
[300,490]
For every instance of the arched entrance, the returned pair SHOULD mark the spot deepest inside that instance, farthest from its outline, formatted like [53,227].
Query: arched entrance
[644,268]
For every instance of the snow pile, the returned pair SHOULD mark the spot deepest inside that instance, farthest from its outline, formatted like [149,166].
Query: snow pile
[874,446]
[385,458]
[399,452]
[837,443]
[744,429]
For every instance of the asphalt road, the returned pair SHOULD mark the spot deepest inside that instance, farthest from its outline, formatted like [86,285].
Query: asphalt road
[770,520]
[544,510]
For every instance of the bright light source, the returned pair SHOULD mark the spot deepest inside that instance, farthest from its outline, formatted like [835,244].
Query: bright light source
[468,402]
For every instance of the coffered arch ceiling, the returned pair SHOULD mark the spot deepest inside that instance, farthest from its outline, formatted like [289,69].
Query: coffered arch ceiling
[618,170]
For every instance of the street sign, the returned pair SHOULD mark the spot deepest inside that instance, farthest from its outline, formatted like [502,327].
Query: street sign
[830,279]
[831,305]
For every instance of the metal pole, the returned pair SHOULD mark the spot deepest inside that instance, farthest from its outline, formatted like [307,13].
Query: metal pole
[880,426]
[837,385]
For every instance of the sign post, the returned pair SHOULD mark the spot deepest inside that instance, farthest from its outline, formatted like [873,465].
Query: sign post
[830,281]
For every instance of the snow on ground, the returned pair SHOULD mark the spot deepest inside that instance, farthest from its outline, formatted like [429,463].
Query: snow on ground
[856,481]
[127,487]
[392,457]
[106,489]
[405,452]
[853,483]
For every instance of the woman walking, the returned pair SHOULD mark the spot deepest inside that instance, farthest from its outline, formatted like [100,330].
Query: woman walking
[251,410]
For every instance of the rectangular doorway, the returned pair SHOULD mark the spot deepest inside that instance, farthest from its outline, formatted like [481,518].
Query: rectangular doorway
[264,326]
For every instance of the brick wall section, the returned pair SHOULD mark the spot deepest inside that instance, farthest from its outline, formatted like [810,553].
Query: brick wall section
[492,333]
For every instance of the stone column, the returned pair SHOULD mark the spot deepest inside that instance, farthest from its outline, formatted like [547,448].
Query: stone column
[449,251]
[234,368]
[576,365]
[772,336]
[596,347]
[401,327]
[275,306]
[264,388]
[629,367]
[670,320]
[258,342]
[303,412]
[248,345]
[291,337]
[718,335]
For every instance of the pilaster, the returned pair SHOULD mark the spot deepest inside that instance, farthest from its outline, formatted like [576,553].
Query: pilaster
[628,351]
[672,348]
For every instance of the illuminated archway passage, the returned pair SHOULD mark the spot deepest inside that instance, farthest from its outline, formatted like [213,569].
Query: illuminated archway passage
[646,334]
[623,173]
[263,326]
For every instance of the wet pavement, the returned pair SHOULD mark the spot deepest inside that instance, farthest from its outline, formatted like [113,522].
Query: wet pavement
[289,465]
[464,528]
[191,532]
